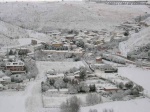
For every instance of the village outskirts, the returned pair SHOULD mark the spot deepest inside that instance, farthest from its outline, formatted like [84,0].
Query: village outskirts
[75,63]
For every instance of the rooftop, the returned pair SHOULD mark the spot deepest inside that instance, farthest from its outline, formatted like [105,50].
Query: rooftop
[18,63]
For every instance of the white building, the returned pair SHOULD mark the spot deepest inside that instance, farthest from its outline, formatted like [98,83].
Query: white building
[57,76]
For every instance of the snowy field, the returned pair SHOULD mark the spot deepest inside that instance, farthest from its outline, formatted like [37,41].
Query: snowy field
[58,66]
[138,105]
[12,102]
[57,100]
[138,75]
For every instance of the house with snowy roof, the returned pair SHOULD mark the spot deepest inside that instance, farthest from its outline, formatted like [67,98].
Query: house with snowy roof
[15,67]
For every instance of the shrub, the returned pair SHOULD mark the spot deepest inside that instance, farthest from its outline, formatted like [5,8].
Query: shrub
[59,83]
[44,88]
[51,82]
[93,98]
[8,73]
[73,89]
[121,85]
[83,87]
[76,59]
[117,96]
[127,92]
[129,85]
[92,88]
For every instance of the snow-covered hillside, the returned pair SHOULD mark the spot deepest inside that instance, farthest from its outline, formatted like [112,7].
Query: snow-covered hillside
[136,40]
[45,16]
[15,36]
[12,31]
[138,75]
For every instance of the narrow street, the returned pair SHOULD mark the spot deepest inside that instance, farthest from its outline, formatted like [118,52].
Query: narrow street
[33,101]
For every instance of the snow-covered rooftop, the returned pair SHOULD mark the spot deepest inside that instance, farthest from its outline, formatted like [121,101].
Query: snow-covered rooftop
[17,63]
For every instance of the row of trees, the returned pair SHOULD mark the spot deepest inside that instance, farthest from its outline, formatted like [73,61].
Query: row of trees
[20,52]
[130,85]
[72,85]
[56,48]
[139,53]
[114,59]
[130,89]
[73,104]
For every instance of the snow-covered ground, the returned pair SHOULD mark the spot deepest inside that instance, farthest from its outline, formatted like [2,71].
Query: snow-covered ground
[138,105]
[30,100]
[25,101]
[138,75]
[27,41]
[12,101]
[58,66]
[135,41]
[56,100]
[22,101]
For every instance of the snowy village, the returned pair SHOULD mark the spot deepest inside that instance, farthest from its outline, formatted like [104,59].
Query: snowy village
[75,56]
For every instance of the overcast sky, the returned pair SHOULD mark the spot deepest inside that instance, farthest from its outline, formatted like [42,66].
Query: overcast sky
[60,0]
[36,0]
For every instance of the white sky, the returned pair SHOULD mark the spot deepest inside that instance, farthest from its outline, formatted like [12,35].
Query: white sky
[35,0]
[59,0]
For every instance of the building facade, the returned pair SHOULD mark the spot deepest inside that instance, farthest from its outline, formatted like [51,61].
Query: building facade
[15,67]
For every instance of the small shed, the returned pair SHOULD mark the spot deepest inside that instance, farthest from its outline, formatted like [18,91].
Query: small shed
[111,88]
[99,59]
[57,76]
[70,37]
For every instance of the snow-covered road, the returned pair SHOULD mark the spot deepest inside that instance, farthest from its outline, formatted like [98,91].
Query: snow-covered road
[34,97]
[23,101]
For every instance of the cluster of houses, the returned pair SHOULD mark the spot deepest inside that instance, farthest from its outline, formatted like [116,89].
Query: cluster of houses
[14,66]
[10,65]
[75,77]
[65,45]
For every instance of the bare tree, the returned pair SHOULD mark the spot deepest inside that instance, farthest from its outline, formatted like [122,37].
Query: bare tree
[93,110]
[83,87]
[73,89]
[71,105]
[108,110]
[59,83]
[82,73]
